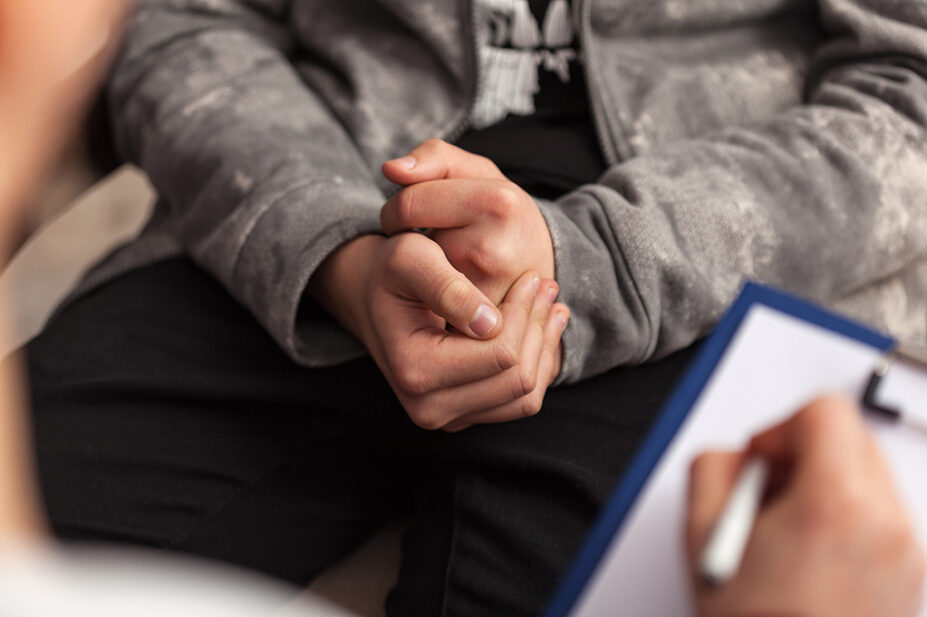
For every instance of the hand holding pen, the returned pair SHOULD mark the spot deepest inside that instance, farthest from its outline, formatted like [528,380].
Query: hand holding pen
[831,537]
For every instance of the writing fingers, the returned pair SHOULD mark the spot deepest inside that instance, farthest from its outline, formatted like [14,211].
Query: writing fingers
[712,477]
[824,440]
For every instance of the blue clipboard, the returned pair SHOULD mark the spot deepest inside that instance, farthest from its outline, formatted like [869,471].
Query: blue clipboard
[675,412]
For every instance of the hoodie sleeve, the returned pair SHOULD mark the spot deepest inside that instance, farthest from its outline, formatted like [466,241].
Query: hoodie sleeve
[261,180]
[824,199]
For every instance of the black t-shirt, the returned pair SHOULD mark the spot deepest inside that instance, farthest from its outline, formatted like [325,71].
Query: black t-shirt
[545,140]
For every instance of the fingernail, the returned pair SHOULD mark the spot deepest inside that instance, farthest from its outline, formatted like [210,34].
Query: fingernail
[484,320]
[406,162]
[562,320]
[551,296]
[536,284]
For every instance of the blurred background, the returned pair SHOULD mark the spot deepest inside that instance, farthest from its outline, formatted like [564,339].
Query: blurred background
[88,205]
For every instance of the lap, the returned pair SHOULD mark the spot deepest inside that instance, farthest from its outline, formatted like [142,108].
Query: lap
[527,492]
[164,415]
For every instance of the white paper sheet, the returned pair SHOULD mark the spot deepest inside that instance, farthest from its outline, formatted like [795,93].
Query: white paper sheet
[773,366]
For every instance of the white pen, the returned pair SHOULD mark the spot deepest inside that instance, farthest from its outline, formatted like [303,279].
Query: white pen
[725,548]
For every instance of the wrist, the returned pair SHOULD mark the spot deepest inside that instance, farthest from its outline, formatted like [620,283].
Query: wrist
[340,283]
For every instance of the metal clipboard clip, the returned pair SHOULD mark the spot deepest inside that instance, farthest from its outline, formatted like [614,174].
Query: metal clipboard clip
[899,353]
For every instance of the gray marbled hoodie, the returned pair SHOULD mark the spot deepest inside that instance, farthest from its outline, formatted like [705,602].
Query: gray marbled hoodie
[778,140]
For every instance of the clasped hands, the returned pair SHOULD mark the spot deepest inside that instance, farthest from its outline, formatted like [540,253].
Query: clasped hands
[463,321]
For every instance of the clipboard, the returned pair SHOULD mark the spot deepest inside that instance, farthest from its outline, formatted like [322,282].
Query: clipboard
[770,354]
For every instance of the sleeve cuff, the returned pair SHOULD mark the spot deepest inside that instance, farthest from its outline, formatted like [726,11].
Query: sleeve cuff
[281,254]
[608,325]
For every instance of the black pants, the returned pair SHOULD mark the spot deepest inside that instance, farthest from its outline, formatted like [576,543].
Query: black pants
[165,416]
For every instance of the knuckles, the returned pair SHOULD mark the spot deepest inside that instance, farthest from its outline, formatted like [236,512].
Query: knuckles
[527,380]
[506,200]
[410,381]
[841,514]
[483,258]
[496,259]
[410,374]
[405,206]
[823,414]
[854,508]
[531,405]
[412,386]
[506,354]
[454,294]
[426,418]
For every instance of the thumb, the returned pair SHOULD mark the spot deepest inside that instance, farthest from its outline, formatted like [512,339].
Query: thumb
[438,160]
[712,477]
[424,274]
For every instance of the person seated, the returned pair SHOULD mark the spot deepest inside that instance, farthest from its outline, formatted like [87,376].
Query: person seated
[249,379]
[832,540]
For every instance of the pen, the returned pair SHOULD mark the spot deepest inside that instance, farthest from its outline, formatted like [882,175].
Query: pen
[728,540]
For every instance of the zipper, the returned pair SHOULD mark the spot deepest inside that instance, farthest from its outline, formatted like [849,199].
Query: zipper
[474,54]
[609,150]
[583,10]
